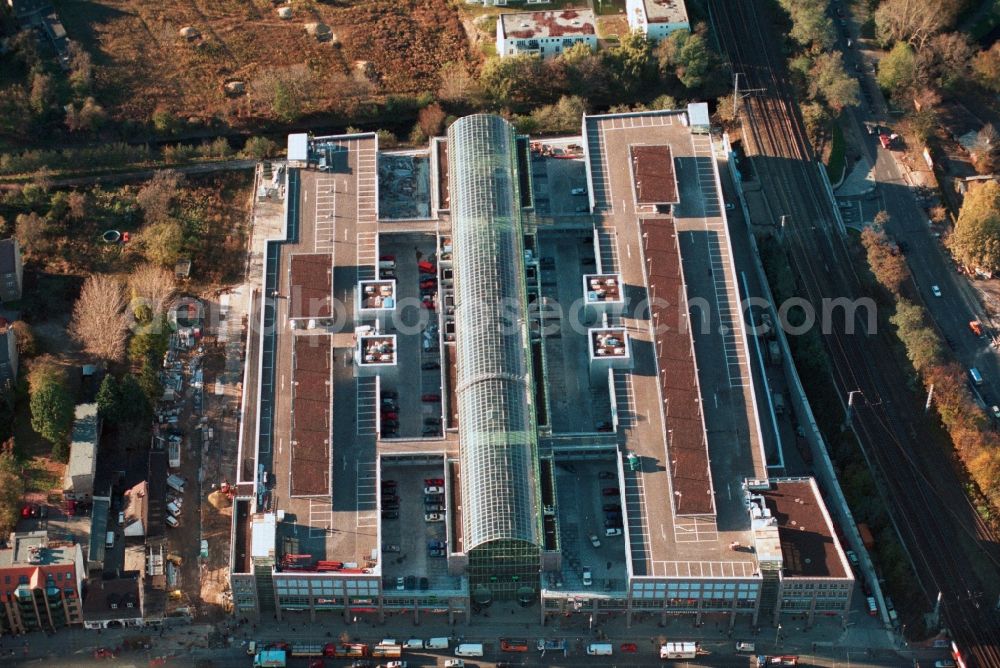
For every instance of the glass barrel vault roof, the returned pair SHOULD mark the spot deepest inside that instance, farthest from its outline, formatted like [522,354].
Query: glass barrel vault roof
[498,448]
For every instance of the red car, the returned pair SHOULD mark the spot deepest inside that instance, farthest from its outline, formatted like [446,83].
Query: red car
[103,653]
[387,258]
[428,305]
[426,267]
[629,648]
[434,482]
[26,510]
[610,491]
[390,415]
[431,398]
[429,284]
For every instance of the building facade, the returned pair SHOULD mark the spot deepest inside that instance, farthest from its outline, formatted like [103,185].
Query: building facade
[11,270]
[8,356]
[545,34]
[657,18]
[41,582]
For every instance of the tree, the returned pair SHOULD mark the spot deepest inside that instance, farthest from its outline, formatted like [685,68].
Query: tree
[897,73]
[99,321]
[27,344]
[157,196]
[724,111]
[149,381]
[563,116]
[923,123]
[912,21]
[975,240]
[811,27]
[30,233]
[457,86]
[688,57]
[517,82]
[923,347]
[162,242]
[987,149]
[153,286]
[431,119]
[77,202]
[81,68]
[109,405]
[631,63]
[287,103]
[945,61]
[986,67]
[258,148]
[51,405]
[90,116]
[830,82]
[11,489]
[42,93]
[884,259]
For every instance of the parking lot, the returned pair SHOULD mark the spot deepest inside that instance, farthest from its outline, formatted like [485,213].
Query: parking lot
[412,260]
[408,539]
[560,186]
[576,405]
[590,504]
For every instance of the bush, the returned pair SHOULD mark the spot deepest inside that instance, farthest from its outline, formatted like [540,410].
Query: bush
[258,148]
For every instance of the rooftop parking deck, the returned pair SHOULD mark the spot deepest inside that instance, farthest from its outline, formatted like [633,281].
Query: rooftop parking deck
[329,521]
[662,539]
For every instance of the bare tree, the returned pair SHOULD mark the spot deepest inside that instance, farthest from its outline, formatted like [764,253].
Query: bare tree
[99,322]
[156,197]
[151,286]
[30,232]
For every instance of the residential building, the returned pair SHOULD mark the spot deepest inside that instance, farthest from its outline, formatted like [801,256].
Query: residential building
[78,481]
[546,34]
[113,602]
[11,270]
[657,18]
[505,442]
[8,355]
[41,581]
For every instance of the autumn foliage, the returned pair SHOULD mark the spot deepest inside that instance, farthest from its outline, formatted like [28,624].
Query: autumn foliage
[973,438]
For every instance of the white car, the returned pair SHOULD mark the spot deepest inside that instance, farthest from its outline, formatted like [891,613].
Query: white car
[396,664]
[578,191]
[400,584]
[434,517]
[613,531]
[996,412]
[588,579]
[936,291]
[730,206]
[594,540]
[454,663]
[433,490]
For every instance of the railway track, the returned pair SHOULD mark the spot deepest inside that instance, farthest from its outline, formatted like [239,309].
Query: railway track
[931,517]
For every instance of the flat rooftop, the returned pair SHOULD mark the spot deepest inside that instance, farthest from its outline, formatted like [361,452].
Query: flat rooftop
[808,543]
[686,438]
[653,174]
[34,549]
[310,286]
[665,11]
[311,402]
[379,349]
[378,294]
[608,342]
[691,261]
[601,288]
[561,23]
[320,481]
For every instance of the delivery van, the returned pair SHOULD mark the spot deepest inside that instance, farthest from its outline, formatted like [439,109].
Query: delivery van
[600,649]
[469,649]
[436,643]
[109,540]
